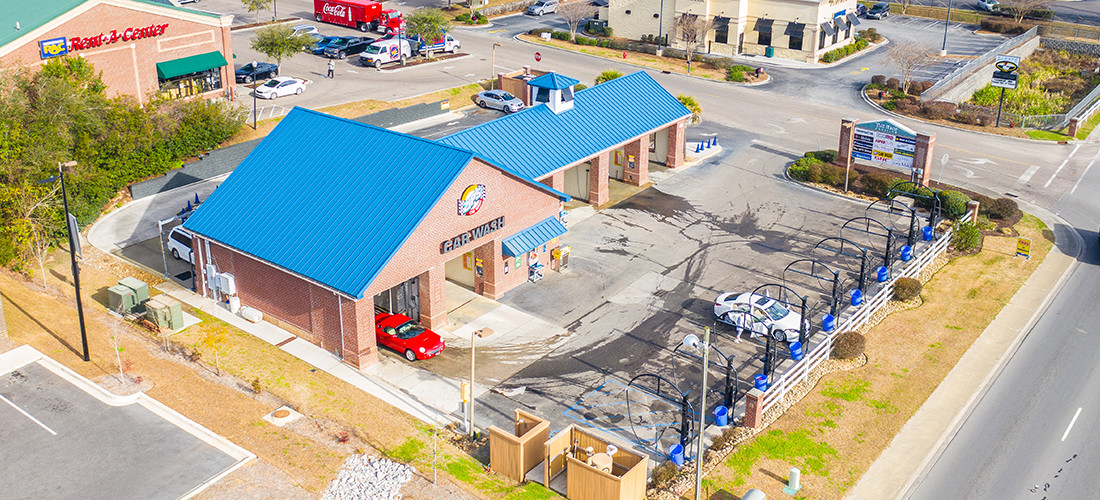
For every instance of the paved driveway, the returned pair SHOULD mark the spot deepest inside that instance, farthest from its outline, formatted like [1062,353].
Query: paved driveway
[61,442]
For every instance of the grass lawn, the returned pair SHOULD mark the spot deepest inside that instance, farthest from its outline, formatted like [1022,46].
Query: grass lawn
[651,61]
[1060,135]
[306,455]
[844,423]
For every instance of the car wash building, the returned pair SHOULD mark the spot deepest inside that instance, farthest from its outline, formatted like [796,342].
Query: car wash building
[141,47]
[321,237]
[317,236]
[577,142]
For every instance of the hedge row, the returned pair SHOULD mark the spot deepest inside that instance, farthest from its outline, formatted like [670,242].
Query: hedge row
[847,50]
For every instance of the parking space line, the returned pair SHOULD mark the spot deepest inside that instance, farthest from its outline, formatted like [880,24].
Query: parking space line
[1064,162]
[28,415]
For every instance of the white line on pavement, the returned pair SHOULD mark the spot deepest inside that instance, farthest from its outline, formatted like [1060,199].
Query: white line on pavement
[1094,158]
[1064,162]
[40,424]
[1026,176]
[1075,415]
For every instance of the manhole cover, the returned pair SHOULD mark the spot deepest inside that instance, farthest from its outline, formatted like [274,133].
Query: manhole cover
[281,413]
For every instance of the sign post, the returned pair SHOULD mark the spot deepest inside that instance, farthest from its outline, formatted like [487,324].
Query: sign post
[1023,248]
[1005,77]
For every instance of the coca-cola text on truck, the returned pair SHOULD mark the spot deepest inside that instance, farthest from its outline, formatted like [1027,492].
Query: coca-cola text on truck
[364,15]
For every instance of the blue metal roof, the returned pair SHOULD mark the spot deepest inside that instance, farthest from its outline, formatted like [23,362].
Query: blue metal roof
[538,234]
[330,199]
[536,142]
[553,81]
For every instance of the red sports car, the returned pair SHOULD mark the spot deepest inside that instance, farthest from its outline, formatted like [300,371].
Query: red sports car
[402,334]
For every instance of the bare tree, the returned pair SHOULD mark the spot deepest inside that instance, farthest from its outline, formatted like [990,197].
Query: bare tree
[910,57]
[693,30]
[116,327]
[1020,8]
[573,12]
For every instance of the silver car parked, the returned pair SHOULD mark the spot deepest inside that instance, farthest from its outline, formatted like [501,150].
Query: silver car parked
[542,7]
[499,99]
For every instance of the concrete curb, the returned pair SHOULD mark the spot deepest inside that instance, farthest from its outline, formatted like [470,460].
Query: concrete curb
[25,355]
[927,433]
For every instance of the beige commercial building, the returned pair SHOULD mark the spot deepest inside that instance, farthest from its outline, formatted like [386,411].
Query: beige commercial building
[794,29]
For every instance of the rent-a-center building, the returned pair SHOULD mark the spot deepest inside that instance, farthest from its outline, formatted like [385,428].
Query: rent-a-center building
[141,47]
[318,235]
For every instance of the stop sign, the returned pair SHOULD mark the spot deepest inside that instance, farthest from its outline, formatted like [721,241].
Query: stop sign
[538,56]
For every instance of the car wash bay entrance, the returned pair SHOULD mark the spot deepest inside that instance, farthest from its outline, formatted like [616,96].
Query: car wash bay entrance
[401,299]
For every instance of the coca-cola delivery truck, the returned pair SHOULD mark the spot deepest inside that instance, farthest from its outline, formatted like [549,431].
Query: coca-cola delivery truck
[364,15]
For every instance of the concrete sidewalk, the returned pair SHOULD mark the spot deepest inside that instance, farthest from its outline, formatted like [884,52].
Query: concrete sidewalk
[926,433]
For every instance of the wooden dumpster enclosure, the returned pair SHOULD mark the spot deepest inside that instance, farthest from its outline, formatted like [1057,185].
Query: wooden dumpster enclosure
[574,462]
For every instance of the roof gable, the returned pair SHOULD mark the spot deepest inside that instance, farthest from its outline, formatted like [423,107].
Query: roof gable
[553,81]
[316,194]
[602,117]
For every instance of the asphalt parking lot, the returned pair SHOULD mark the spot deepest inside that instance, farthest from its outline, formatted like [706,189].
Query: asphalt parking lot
[61,442]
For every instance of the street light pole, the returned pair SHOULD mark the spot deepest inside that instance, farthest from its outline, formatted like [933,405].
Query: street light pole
[947,24]
[473,334]
[72,255]
[254,111]
[493,71]
[702,417]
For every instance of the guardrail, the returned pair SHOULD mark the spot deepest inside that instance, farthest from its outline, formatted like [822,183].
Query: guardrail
[820,352]
[963,72]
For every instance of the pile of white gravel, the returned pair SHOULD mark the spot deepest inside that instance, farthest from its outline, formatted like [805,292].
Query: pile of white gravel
[371,478]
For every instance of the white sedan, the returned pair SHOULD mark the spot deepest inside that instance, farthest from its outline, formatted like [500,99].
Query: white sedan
[987,5]
[759,314]
[281,86]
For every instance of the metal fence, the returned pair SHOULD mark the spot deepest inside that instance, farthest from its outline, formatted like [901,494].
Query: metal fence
[963,72]
[802,369]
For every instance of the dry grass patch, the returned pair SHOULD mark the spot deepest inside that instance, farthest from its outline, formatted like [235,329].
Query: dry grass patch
[840,427]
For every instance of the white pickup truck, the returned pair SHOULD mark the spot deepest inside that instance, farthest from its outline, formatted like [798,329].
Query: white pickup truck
[445,44]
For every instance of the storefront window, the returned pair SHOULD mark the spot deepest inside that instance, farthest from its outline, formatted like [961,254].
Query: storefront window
[722,33]
[794,42]
[764,39]
[192,84]
[822,44]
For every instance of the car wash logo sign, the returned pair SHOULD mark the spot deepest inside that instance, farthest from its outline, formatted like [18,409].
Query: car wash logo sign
[471,200]
[471,235]
[58,47]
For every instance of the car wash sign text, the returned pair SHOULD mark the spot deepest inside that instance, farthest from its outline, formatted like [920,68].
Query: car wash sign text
[471,235]
[885,142]
[55,47]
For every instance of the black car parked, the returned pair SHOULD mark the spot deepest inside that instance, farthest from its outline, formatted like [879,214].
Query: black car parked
[263,70]
[878,11]
[344,47]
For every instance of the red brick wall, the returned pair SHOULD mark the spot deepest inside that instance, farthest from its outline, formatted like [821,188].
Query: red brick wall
[297,301]
[129,67]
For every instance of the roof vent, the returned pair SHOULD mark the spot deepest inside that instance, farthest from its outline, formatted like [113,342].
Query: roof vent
[17,27]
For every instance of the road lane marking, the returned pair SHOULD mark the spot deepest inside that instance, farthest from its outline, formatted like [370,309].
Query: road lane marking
[1075,415]
[1026,176]
[1094,158]
[35,420]
[1064,162]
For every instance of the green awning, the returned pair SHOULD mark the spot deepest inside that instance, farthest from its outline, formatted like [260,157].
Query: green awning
[190,64]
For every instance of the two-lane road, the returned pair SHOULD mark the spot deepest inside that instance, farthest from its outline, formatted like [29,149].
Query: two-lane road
[1036,432]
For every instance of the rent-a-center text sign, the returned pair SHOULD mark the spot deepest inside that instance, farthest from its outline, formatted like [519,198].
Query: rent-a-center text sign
[886,142]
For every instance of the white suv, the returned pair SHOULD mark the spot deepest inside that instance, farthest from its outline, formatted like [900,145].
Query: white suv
[179,243]
[542,7]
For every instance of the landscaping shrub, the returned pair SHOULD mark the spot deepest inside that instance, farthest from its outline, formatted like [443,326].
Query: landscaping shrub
[926,84]
[723,63]
[890,105]
[906,108]
[954,203]
[617,44]
[870,34]
[535,31]
[826,173]
[663,474]
[848,345]
[893,84]
[647,38]
[580,40]
[726,437]
[914,89]
[608,32]
[800,169]
[463,17]
[878,80]
[560,35]
[735,76]
[906,289]
[1006,26]
[939,110]
[967,237]
[825,155]
[876,183]
[1001,208]
[579,86]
